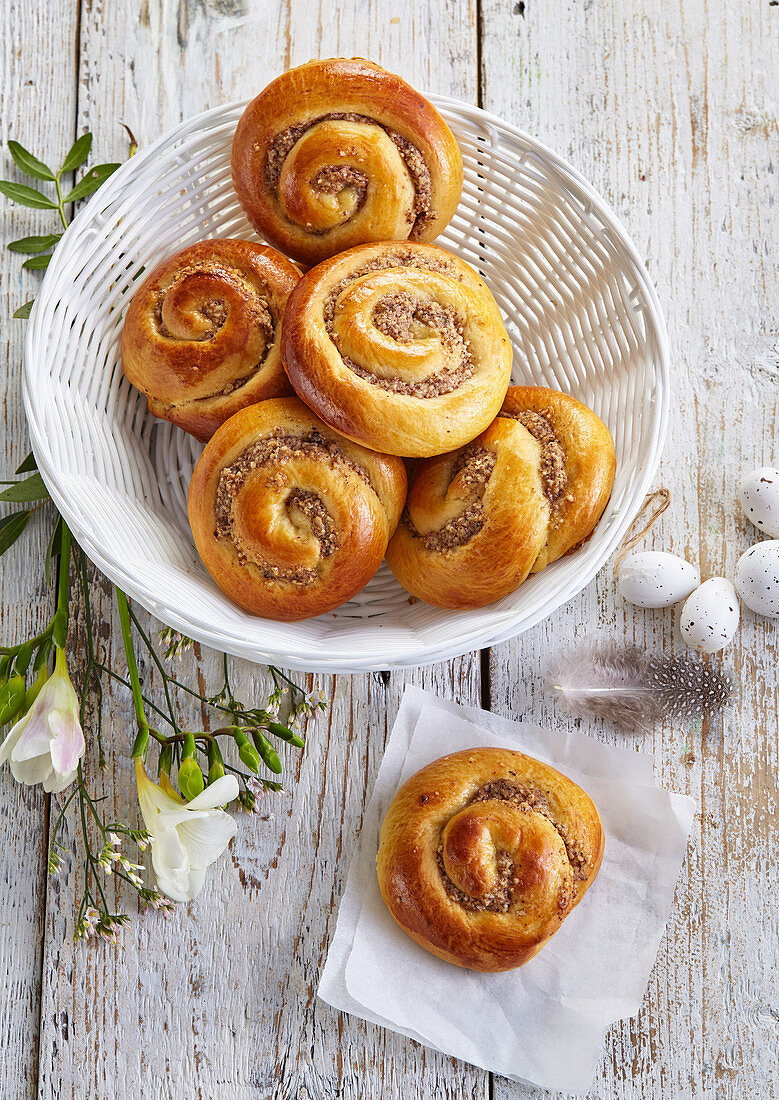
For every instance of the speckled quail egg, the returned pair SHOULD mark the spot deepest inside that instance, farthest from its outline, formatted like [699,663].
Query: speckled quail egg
[710,616]
[653,578]
[757,578]
[759,496]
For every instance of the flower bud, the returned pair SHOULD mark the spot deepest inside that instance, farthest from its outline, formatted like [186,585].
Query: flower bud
[285,734]
[247,751]
[267,752]
[190,779]
[248,801]
[215,765]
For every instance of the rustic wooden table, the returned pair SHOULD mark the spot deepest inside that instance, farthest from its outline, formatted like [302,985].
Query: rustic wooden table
[668,110]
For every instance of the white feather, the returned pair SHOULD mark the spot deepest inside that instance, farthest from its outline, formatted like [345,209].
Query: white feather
[622,684]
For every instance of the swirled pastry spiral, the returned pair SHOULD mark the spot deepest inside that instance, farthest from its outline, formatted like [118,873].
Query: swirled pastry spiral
[289,518]
[201,335]
[338,152]
[531,488]
[398,346]
[484,853]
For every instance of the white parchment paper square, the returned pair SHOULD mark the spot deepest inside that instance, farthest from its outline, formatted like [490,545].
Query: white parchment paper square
[544,1022]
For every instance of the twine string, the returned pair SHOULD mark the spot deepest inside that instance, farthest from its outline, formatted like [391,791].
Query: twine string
[657,502]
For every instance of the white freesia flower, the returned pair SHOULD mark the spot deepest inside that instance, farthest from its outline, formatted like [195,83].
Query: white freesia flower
[186,837]
[46,744]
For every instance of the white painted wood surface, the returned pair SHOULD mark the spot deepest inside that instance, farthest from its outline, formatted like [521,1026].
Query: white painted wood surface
[668,111]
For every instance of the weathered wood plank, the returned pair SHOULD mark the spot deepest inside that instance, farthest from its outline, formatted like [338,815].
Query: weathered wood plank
[37,82]
[669,114]
[219,1000]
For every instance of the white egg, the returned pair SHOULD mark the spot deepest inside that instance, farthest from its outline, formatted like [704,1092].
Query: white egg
[759,496]
[757,578]
[710,616]
[653,578]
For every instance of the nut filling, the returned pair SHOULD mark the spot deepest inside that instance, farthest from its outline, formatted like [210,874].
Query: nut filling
[216,311]
[336,178]
[276,450]
[421,213]
[530,800]
[394,315]
[498,900]
[474,467]
[553,475]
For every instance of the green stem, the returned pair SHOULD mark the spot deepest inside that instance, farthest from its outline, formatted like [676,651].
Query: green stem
[60,204]
[161,668]
[60,621]
[146,701]
[141,741]
[32,642]
[61,815]
[274,671]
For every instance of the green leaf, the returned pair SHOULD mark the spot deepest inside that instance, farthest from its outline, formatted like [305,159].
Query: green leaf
[23,312]
[34,244]
[11,528]
[23,658]
[27,196]
[36,263]
[27,465]
[32,488]
[11,699]
[91,181]
[29,164]
[77,154]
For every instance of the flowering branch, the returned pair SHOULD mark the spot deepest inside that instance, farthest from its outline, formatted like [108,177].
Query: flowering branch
[187,829]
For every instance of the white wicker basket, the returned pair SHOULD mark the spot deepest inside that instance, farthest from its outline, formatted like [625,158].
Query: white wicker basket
[579,306]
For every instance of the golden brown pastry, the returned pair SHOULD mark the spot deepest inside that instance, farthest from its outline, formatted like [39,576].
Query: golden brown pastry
[398,346]
[289,518]
[531,488]
[484,853]
[201,336]
[335,153]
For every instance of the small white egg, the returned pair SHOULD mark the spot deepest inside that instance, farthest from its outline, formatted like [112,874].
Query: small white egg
[759,496]
[653,578]
[710,616]
[757,578]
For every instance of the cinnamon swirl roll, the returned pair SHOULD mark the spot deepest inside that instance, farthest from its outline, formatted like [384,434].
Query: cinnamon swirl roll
[398,346]
[289,518]
[335,153]
[201,336]
[531,488]
[484,853]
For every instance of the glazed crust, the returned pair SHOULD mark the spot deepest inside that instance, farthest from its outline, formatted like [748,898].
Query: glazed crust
[315,185]
[484,853]
[202,333]
[475,528]
[290,519]
[398,346]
